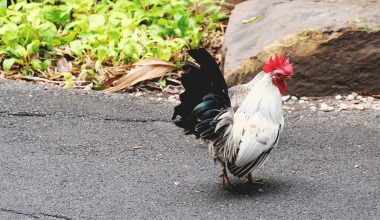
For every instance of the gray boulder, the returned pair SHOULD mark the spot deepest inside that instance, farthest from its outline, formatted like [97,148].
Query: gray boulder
[334,45]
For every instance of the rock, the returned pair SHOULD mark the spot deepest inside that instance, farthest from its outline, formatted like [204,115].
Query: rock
[376,107]
[338,97]
[359,107]
[301,101]
[294,98]
[350,98]
[352,106]
[370,99]
[343,106]
[334,46]
[354,94]
[304,98]
[359,97]
[313,108]
[366,106]
[354,101]
[285,98]
[326,108]
[363,99]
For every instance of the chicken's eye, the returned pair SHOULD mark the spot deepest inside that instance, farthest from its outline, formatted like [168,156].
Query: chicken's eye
[278,74]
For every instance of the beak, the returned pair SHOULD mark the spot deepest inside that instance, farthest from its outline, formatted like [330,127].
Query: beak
[288,77]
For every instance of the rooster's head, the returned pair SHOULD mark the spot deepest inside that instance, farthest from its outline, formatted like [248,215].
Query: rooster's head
[279,68]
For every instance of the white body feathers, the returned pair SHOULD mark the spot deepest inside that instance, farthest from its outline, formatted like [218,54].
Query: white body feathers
[255,125]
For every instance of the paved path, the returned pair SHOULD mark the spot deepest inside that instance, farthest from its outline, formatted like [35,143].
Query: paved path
[86,155]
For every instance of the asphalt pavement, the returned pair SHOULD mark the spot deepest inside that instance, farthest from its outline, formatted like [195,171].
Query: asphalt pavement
[68,154]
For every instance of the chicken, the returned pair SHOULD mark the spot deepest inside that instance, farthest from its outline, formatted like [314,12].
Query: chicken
[241,125]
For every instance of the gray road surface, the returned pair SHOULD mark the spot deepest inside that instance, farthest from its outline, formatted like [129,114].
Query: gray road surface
[87,155]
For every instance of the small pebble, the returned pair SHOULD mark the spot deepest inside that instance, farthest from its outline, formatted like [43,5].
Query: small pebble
[363,99]
[359,107]
[356,166]
[137,94]
[343,106]
[285,98]
[376,107]
[326,108]
[354,94]
[359,97]
[301,101]
[370,99]
[304,98]
[338,97]
[355,101]
[294,98]
[350,97]
[366,106]
[313,108]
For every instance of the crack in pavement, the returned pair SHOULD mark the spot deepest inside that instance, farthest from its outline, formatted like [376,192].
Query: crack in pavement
[30,114]
[24,114]
[34,215]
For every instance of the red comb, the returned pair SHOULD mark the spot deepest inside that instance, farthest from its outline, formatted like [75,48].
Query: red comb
[279,63]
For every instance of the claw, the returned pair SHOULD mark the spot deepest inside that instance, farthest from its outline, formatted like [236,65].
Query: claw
[254,181]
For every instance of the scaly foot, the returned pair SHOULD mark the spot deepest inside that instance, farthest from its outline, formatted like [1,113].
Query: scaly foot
[225,181]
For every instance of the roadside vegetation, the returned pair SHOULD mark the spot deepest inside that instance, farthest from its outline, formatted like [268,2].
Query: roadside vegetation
[94,43]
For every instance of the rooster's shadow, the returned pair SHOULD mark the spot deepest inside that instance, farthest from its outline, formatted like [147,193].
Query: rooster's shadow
[266,187]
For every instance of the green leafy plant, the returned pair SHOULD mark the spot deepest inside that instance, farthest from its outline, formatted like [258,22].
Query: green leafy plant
[93,34]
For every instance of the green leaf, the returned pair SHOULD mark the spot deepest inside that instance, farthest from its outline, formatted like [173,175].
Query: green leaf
[162,83]
[36,64]
[96,21]
[9,36]
[33,47]
[57,15]
[182,25]
[46,64]
[47,30]
[114,35]
[165,53]
[3,11]
[19,51]
[75,47]
[8,63]
[69,80]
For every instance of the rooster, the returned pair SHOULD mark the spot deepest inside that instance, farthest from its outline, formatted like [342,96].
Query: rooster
[241,125]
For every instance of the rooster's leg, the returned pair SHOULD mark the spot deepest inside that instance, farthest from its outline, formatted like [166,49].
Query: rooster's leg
[252,180]
[226,182]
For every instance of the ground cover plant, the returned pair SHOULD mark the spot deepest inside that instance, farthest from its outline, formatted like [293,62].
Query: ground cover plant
[91,43]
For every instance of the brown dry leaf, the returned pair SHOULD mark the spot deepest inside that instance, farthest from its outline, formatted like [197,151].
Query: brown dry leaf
[112,74]
[143,70]
[256,18]
[63,65]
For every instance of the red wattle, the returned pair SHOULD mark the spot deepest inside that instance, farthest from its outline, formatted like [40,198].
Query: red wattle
[281,84]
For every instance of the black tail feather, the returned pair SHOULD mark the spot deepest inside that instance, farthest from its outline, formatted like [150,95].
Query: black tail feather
[205,96]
